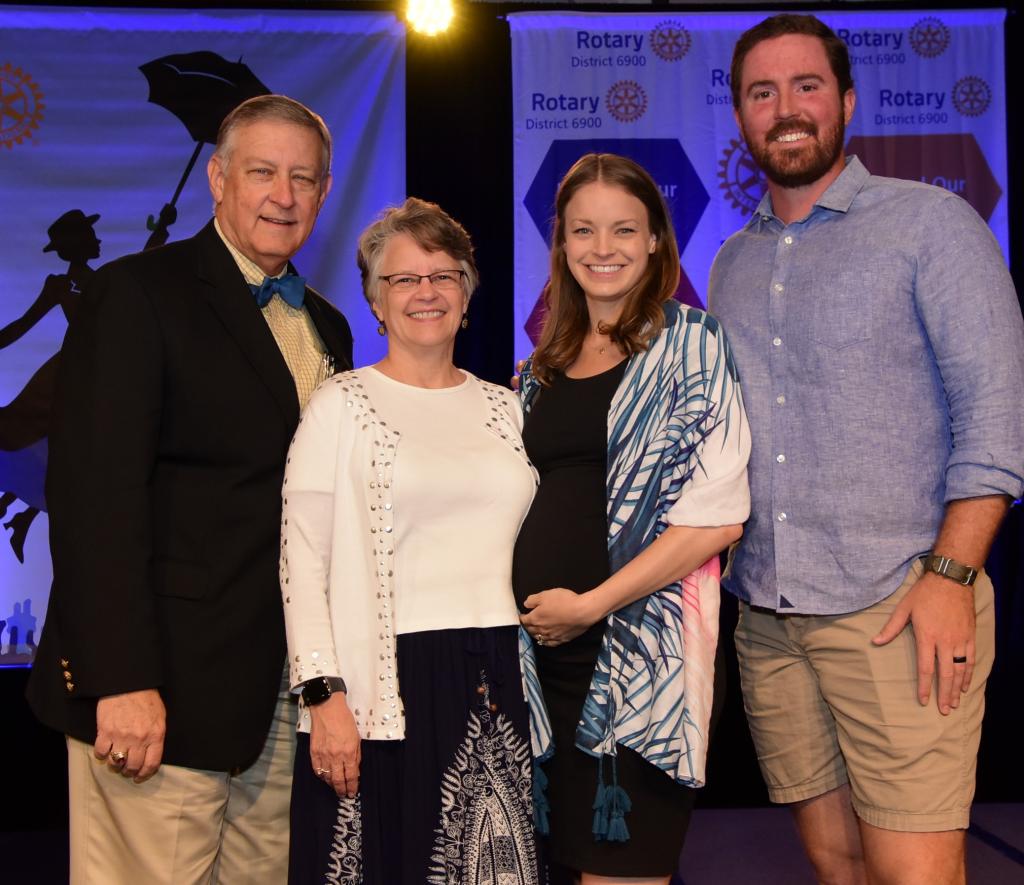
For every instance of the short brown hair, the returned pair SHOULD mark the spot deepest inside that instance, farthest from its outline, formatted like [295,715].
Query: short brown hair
[273,107]
[789,23]
[433,230]
[642,318]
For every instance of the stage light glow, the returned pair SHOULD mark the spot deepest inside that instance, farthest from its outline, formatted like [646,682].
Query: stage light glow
[429,17]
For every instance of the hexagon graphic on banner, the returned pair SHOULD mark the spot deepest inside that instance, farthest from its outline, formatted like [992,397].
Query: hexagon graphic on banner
[955,162]
[663,158]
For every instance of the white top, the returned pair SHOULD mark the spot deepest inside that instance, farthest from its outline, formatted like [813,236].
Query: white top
[460,495]
[361,556]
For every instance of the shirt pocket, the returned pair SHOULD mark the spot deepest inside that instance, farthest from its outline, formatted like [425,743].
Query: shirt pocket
[840,313]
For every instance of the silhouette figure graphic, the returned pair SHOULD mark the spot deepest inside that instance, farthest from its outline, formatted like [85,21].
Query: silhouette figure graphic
[199,88]
[21,628]
[25,421]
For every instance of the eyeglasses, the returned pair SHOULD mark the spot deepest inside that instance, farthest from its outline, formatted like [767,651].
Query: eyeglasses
[442,280]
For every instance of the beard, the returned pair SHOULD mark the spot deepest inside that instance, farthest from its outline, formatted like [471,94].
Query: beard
[798,167]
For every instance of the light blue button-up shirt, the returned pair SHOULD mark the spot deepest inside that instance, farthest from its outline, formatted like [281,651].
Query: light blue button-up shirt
[880,347]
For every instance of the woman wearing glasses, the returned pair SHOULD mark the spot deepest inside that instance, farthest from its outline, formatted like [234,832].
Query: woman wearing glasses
[405,487]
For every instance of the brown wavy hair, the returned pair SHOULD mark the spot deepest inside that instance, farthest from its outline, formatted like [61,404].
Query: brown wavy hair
[642,318]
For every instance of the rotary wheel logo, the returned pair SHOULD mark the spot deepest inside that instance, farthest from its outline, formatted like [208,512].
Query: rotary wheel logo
[740,178]
[670,41]
[972,96]
[626,101]
[21,106]
[929,37]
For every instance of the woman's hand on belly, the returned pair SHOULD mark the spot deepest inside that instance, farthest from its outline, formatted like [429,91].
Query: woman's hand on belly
[335,745]
[558,615]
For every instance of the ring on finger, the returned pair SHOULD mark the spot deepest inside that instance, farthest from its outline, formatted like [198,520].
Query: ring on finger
[322,771]
[959,659]
[118,758]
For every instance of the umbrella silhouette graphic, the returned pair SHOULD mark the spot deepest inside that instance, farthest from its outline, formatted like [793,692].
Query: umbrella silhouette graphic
[200,89]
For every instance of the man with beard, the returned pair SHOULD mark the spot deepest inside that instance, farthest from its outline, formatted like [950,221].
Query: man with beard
[881,350]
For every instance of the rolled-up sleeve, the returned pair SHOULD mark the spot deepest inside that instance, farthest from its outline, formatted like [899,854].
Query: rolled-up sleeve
[307,528]
[969,308]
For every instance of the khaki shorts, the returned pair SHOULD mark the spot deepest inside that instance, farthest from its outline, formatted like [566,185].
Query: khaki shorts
[826,707]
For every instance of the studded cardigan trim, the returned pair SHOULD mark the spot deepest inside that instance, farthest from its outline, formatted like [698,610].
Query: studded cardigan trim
[349,631]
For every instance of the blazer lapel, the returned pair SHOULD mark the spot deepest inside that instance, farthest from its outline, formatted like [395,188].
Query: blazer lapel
[335,336]
[224,287]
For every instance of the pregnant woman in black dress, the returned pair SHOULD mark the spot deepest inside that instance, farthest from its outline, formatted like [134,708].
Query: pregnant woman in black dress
[636,426]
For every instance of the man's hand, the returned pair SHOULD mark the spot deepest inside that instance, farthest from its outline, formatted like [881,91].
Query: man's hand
[942,615]
[514,381]
[557,615]
[130,730]
[942,612]
[335,748]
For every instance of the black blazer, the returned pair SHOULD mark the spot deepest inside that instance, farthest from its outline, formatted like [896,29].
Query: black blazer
[172,420]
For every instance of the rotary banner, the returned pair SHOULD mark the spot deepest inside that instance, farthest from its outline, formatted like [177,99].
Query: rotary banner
[655,87]
[106,124]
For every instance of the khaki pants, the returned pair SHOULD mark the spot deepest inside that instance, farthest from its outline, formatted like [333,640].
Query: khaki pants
[183,825]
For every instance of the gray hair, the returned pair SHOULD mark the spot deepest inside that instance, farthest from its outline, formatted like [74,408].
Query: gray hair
[273,107]
[432,229]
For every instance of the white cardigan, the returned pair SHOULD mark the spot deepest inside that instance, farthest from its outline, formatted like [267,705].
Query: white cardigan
[337,585]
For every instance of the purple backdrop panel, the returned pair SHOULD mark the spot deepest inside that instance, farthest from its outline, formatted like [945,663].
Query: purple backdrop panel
[930,106]
[105,128]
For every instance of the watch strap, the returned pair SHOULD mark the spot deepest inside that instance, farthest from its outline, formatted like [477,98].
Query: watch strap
[316,691]
[964,575]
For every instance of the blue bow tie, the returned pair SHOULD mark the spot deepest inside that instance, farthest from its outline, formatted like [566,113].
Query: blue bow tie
[291,287]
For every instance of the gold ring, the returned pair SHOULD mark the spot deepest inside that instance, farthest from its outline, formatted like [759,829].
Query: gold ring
[321,771]
[118,757]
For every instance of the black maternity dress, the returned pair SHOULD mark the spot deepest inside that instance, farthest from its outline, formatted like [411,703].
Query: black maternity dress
[564,543]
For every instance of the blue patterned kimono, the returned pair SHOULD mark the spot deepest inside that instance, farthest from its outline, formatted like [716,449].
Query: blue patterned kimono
[652,685]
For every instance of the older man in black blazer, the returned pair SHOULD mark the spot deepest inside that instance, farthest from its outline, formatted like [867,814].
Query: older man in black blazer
[181,382]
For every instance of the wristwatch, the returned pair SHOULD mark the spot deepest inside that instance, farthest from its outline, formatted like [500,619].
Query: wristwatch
[316,691]
[950,568]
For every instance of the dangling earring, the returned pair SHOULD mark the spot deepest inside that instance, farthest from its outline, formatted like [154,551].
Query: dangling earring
[465,322]
[381,328]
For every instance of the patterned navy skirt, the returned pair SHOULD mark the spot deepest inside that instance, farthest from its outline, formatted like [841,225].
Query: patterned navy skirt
[451,804]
